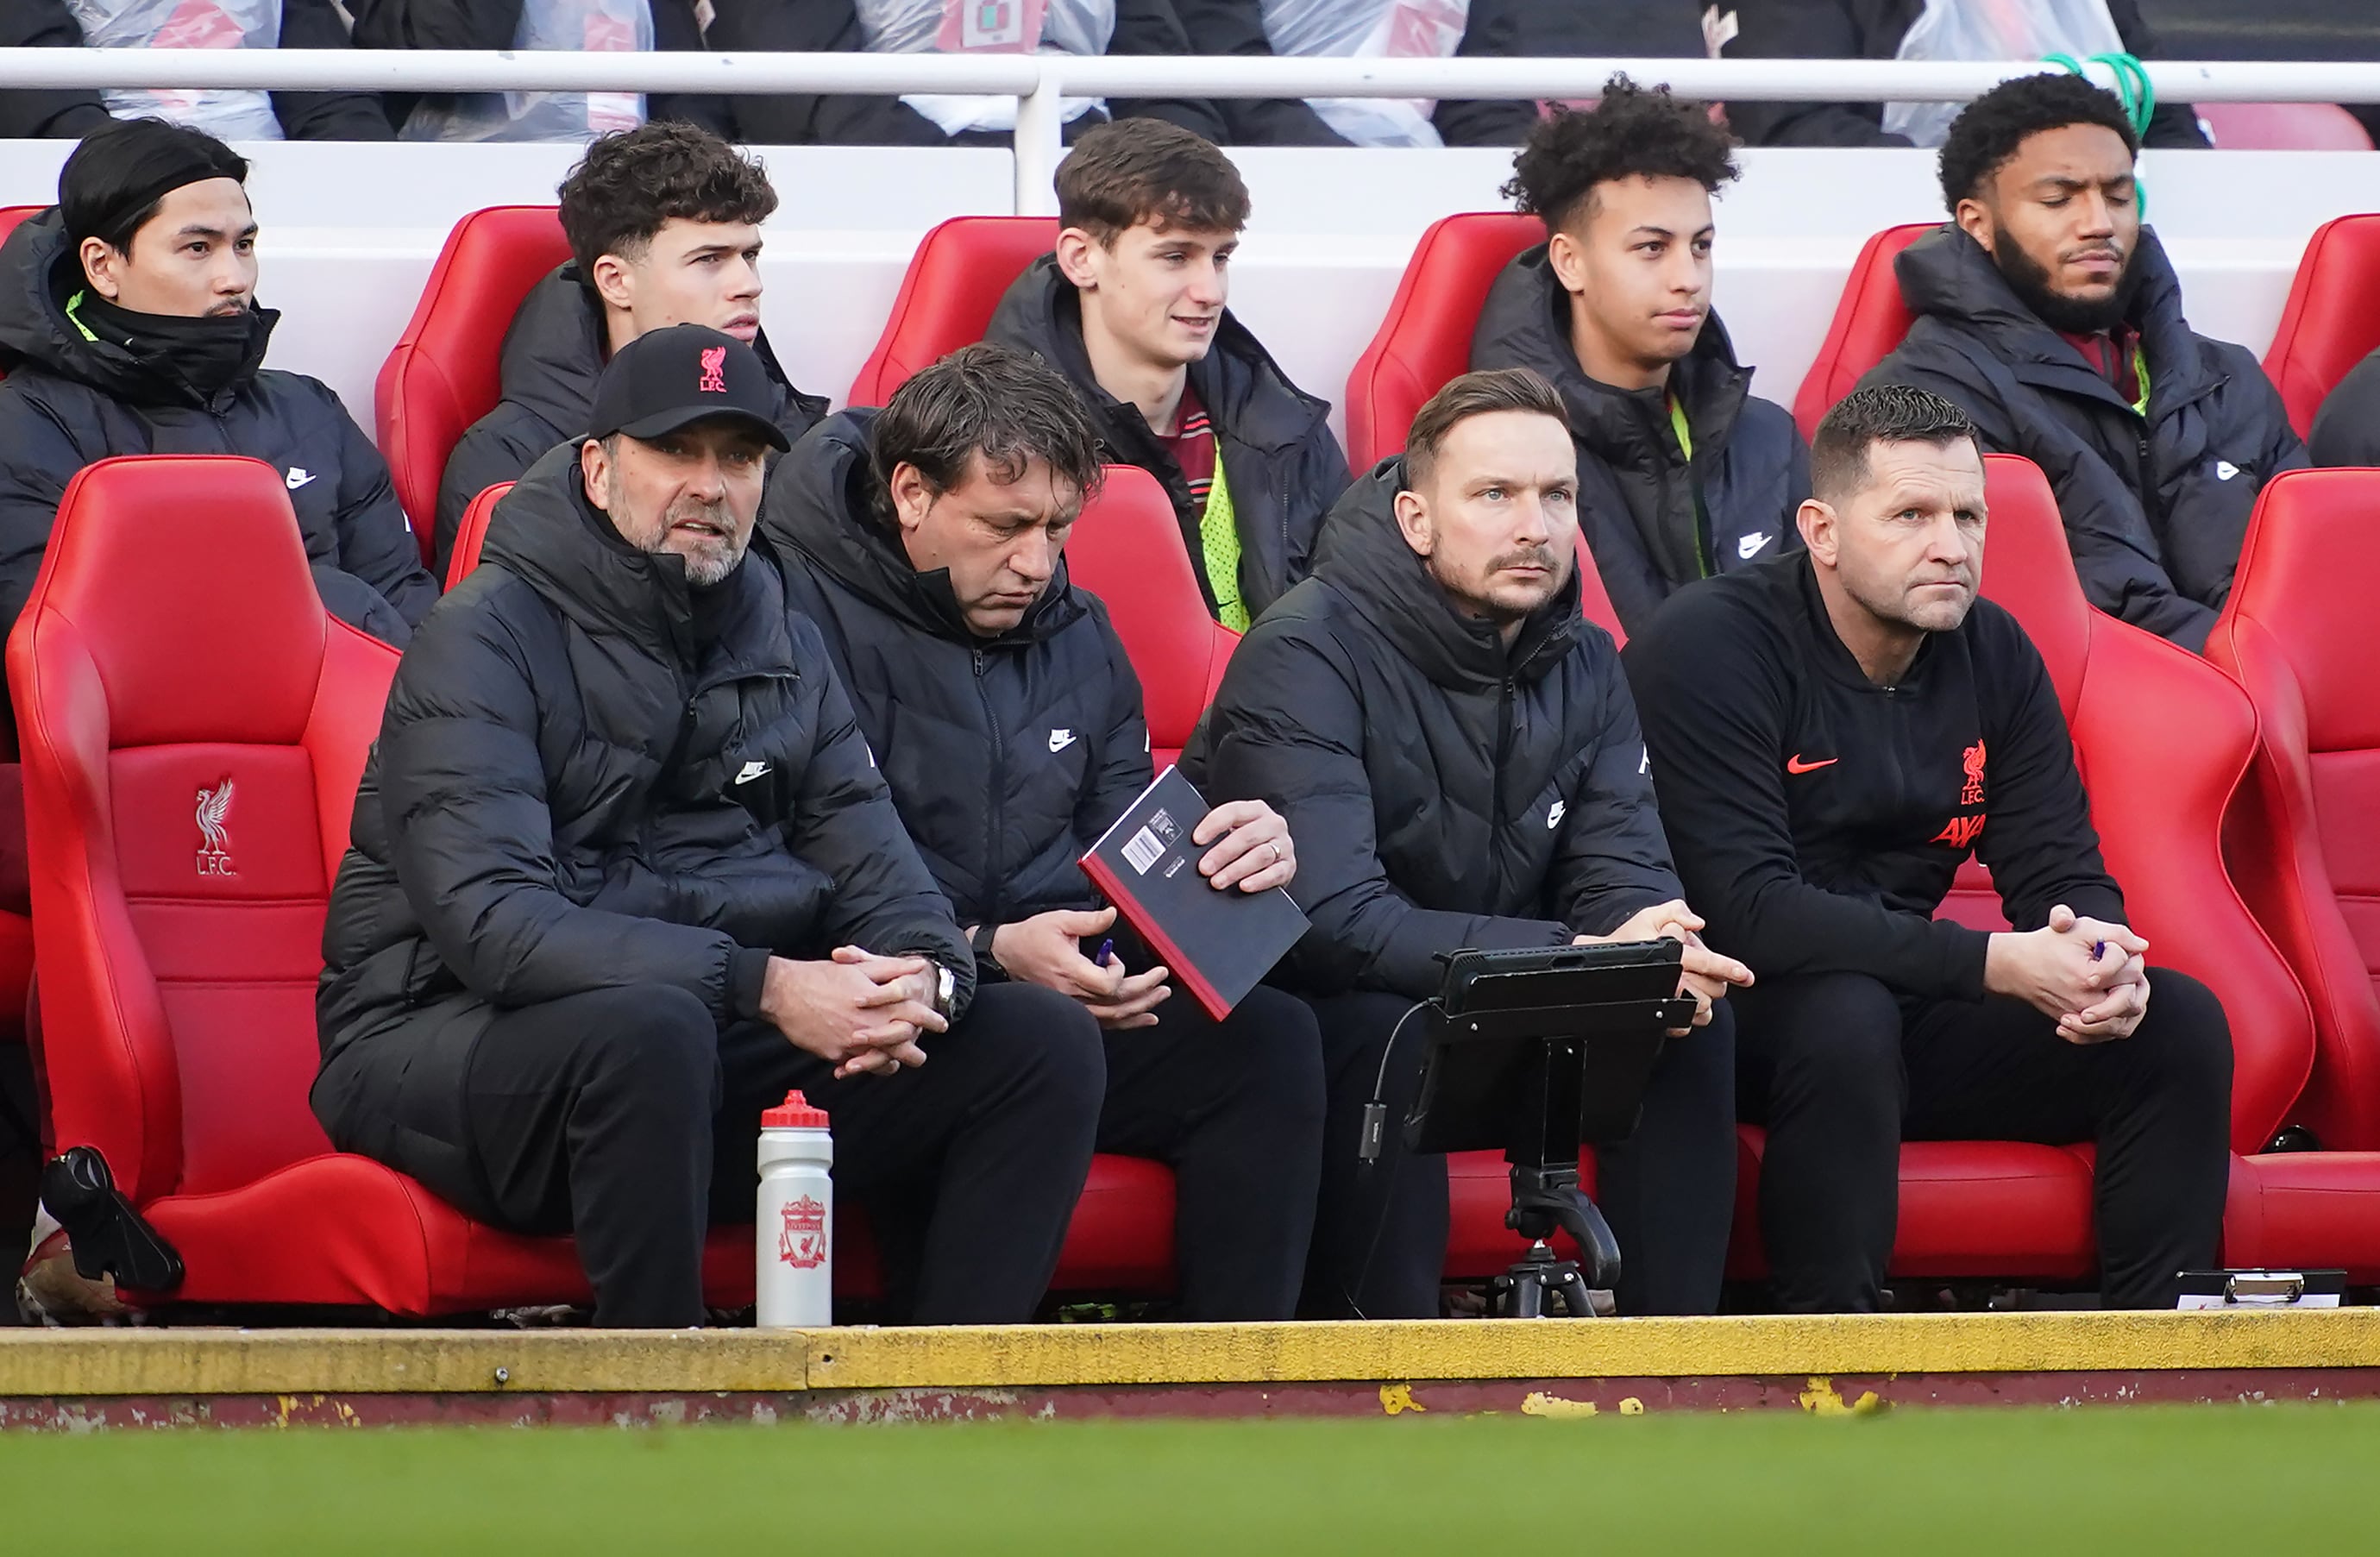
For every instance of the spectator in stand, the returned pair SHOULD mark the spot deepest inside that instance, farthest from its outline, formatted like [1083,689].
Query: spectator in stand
[903,27]
[1829,733]
[928,546]
[1454,745]
[128,324]
[1931,30]
[2346,429]
[71,112]
[623,872]
[1130,308]
[1681,472]
[664,228]
[2049,313]
[593,26]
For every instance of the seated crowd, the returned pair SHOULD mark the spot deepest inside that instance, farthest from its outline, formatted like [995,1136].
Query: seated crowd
[760,749]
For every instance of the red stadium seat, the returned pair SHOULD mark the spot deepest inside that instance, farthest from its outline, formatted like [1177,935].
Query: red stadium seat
[2284,126]
[161,659]
[1425,339]
[954,282]
[442,373]
[2304,845]
[472,533]
[1869,323]
[1127,549]
[2332,320]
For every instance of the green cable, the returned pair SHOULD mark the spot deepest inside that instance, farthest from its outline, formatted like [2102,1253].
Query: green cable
[2133,89]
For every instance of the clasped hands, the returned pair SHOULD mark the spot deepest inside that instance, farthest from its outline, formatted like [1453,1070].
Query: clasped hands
[2090,975]
[1706,974]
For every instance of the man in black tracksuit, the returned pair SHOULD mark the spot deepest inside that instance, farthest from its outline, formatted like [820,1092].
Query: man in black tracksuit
[1130,308]
[1879,30]
[2346,429]
[1683,473]
[1011,733]
[623,872]
[1456,749]
[2051,314]
[1830,735]
[119,337]
[664,228]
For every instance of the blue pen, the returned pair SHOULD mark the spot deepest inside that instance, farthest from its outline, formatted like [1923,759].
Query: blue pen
[2098,949]
[1107,950]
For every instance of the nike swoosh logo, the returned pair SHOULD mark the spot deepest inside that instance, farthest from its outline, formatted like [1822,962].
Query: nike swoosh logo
[751,771]
[1794,764]
[299,476]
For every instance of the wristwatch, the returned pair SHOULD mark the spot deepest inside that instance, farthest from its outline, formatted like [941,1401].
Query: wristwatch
[981,944]
[946,988]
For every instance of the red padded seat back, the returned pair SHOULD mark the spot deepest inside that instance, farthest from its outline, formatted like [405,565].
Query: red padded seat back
[1425,339]
[443,374]
[2332,320]
[194,725]
[2162,740]
[2284,126]
[1127,549]
[2305,835]
[472,533]
[1869,323]
[953,284]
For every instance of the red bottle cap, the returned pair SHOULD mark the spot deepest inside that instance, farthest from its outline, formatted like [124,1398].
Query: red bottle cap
[795,1113]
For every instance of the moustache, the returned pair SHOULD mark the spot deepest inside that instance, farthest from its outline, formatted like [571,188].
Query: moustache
[1528,557]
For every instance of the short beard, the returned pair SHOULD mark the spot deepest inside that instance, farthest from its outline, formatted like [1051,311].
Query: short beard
[1497,613]
[701,572]
[2068,316]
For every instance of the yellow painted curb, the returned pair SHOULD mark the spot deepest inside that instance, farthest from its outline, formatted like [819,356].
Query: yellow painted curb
[35,1364]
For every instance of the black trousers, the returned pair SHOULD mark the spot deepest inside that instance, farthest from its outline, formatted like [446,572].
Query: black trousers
[629,1117]
[1841,1071]
[1379,1235]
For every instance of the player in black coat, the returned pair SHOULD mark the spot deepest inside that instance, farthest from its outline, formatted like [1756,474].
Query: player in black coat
[1457,751]
[623,871]
[1012,737]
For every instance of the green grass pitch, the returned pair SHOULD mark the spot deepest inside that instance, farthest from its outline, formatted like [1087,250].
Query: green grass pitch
[2010,1482]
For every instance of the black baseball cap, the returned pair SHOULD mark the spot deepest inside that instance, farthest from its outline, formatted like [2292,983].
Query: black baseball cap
[666,379]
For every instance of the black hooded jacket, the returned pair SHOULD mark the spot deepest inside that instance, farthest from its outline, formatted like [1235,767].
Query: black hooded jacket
[1008,757]
[554,353]
[1445,791]
[2347,430]
[1273,441]
[70,400]
[590,776]
[2155,506]
[1654,520]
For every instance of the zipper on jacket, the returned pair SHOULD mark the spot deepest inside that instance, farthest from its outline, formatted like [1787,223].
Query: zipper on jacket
[1503,750]
[992,877]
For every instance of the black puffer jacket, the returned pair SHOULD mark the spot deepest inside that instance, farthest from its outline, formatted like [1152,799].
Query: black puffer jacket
[1008,757]
[1272,439]
[1872,30]
[70,400]
[1654,520]
[2346,431]
[554,353]
[568,795]
[1444,791]
[2156,507]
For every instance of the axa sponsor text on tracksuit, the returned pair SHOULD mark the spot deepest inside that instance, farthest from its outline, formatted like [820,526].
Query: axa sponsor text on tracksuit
[72,398]
[1008,758]
[554,350]
[1448,791]
[599,801]
[1655,517]
[1819,820]
[1274,443]
[2157,503]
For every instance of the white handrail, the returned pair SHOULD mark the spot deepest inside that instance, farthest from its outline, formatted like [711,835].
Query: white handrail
[1037,81]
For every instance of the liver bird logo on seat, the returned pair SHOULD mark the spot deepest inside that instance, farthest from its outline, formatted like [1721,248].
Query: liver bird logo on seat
[214,830]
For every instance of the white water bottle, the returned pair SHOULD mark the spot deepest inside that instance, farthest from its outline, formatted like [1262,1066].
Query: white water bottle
[793,1274]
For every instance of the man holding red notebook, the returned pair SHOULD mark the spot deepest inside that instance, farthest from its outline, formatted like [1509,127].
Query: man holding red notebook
[926,542]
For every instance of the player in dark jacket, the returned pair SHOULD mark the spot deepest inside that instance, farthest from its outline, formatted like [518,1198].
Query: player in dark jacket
[1130,308]
[2051,314]
[623,872]
[2347,430]
[664,228]
[128,324]
[1455,749]
[1831,735]
[1683,473]
[1878,29]
[1006,719]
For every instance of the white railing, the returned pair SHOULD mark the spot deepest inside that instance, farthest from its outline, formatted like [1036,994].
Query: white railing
[1039,82]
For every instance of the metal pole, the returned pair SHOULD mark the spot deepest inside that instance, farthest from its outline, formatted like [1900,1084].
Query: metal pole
[1041,140]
